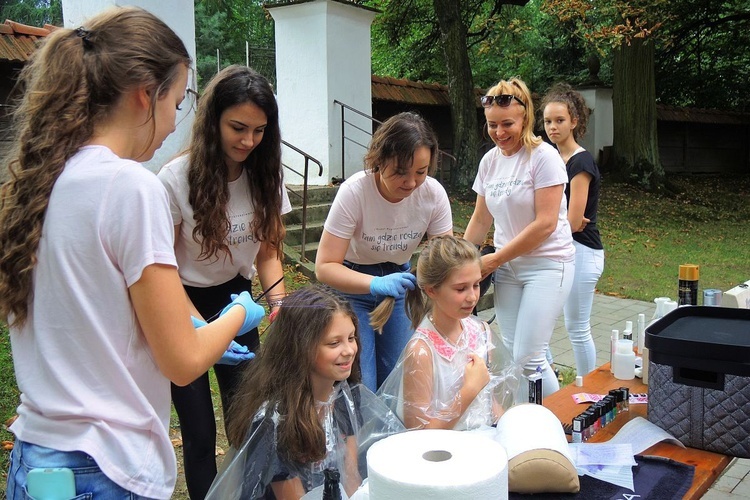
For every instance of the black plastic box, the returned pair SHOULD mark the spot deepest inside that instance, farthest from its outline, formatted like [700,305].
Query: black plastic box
[699,377]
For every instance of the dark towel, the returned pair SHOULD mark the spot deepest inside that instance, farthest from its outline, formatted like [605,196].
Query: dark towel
[654,478]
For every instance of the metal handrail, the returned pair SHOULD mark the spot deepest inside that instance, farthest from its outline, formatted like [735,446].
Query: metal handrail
[304,176]
[442,155]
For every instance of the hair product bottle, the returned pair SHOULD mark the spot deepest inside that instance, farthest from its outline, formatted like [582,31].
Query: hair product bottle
[687,288]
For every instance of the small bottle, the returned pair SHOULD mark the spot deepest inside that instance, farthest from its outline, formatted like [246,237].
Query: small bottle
[535,386]
[641,333]
[577,434]
[687,285]
[624,360]
[627,333]
[612,348]
[625,392]
[331,487]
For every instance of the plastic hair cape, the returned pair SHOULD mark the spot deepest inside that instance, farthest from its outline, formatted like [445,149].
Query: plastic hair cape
[353,419]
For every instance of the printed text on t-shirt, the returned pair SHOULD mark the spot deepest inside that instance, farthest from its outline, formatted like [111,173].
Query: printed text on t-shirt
[502,188]
[387,242]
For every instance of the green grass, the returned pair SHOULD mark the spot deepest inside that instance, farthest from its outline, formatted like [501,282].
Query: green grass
[647,237]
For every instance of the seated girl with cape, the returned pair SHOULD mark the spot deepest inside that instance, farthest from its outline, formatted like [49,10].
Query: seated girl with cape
[452,374]
[300,408]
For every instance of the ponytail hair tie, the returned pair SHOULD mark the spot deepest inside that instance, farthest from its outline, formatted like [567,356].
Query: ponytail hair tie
[83,34]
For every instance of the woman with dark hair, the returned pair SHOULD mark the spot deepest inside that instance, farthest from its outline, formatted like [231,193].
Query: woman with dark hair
[377,220]
[227,198]
[565,119]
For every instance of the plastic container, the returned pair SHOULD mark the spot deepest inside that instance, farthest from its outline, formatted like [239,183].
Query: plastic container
[700,377]
[624,360]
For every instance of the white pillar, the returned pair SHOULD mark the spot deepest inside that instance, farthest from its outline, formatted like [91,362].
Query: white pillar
[322,55]
[600,128]
[178,15]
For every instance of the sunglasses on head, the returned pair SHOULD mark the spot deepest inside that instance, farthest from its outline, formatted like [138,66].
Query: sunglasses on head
[502,100]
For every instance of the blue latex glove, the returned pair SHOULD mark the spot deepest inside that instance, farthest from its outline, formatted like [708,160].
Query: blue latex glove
[253,312]
[235,353]
[393,285]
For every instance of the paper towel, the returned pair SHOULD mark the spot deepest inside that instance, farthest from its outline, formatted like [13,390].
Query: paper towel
[528,427]
[439,465]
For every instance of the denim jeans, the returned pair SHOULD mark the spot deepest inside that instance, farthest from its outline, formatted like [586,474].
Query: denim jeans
[589,268]
[529,297]
[91,483]
[379,352]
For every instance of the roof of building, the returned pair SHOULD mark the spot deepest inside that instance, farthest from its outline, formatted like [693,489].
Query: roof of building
[700,115]
[385,88]
[18,41]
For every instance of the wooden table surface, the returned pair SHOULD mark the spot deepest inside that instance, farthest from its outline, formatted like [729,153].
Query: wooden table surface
[708,465]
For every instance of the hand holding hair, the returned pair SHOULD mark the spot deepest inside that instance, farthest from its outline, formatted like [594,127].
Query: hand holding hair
[235,353]
[253,312]
[393,285]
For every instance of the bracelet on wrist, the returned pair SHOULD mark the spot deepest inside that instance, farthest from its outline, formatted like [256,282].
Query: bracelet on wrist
[274,303]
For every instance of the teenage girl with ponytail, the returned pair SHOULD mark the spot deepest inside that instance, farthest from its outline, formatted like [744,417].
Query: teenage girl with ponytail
[99,322]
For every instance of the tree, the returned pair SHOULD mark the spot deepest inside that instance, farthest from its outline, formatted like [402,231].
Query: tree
[230,26]
[32,12]
[705,61]
[627,28]
[459,27]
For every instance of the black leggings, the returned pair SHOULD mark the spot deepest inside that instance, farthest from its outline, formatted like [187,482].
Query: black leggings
[193,402]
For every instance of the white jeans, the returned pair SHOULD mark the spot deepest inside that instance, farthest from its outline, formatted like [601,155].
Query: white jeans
[529,297]
[589,267]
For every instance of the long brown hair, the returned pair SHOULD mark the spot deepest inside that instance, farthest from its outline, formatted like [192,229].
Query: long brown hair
[71,86]
[208,174]
[280,375]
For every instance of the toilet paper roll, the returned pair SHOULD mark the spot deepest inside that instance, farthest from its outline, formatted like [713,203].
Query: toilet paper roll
[437,465]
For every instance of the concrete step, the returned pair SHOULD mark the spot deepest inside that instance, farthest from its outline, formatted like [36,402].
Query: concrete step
[315,194]
[316,212]
[313,232]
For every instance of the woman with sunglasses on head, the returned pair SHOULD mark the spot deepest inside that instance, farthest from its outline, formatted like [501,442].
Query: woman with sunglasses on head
[565,119]
[520,187]
[377,220]
[89,287]
[227,198]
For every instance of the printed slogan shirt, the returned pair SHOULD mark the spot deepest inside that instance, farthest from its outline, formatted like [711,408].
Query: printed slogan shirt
[381,231]
[508,184]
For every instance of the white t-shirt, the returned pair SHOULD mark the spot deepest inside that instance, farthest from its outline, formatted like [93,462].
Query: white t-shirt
[382,231]
[240,240]
[87,377]
[508,184]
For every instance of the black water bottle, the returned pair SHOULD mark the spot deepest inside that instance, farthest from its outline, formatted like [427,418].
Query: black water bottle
[331,488]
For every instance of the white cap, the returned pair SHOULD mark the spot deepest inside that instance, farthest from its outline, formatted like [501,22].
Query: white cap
[579,381]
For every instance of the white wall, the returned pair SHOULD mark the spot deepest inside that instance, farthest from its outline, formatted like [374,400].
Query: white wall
[600,128]
[322,55]
[178,15]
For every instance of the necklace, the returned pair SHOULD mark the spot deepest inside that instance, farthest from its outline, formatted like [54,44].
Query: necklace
[447,338]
